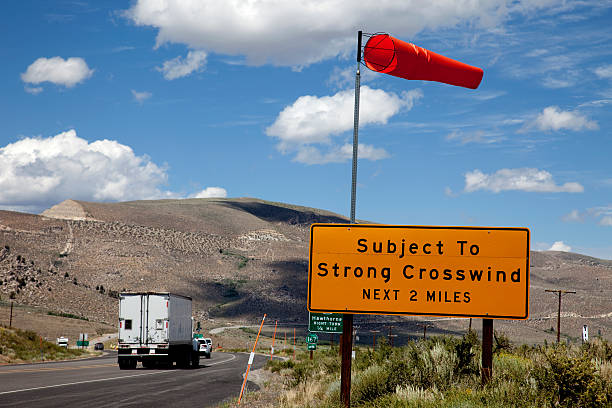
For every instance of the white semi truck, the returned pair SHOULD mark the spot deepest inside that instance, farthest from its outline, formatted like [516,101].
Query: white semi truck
[155,329]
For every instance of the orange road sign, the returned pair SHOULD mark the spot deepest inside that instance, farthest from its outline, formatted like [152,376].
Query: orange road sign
[419,270]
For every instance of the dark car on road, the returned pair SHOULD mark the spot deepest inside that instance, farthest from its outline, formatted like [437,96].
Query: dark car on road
[99,346]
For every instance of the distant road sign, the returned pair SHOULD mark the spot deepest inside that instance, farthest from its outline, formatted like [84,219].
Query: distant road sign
[414,270]
[312,338]
[312,346]
[325,322]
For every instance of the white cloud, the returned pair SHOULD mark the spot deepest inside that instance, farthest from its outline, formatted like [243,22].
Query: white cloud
[449,192]
[343,78]
[606,221]
[39,172]
[57,70]
[552,118]
[338,154]
[540,246]
[316,120]
[179,67]
[566,80]
[210,192]
[560,246]
[140,97]
[487,95]
[33,90]
[605,71]
[573,216]
[602,214]
[299,33]
[312,119]
[522,179]
[478,136]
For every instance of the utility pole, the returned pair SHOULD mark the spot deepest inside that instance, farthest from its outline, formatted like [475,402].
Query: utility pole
[560,292]
[424,326]
[374,341]
[11,318]
[391,336]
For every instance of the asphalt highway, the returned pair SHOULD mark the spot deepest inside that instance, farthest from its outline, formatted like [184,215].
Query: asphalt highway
[98,382]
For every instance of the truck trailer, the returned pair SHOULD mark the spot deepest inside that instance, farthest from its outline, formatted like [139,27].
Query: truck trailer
[156,329]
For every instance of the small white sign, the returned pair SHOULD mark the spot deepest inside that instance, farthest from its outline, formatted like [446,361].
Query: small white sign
[585,333]
[271,350]
[251,357]
[353,355]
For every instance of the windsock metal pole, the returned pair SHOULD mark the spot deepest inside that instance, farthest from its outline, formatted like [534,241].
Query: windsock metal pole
[251,358]
[347,320]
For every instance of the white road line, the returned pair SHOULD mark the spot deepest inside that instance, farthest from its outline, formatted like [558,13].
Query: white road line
[221,362]
[106,379]
[81,382]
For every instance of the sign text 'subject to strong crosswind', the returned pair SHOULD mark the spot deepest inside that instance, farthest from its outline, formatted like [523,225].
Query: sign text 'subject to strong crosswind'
[392,269]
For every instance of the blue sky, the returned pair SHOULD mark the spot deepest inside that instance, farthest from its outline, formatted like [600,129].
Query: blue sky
[115,101]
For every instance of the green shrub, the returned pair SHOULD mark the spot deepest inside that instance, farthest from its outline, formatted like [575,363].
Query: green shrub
[369,385]
[332,365]
[465,349]
[444,372]
[278,365]
[569,381]
[599,348]
[68,315]
[26,345]
[501,342]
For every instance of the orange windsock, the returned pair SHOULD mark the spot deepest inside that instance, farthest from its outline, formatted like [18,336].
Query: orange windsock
[383,53]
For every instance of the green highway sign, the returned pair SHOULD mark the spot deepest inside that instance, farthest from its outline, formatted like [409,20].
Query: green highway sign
[312,338]
[82,343]
[312,346]
[325,322]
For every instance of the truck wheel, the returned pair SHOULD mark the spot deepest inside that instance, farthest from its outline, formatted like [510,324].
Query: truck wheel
[195,360]
[184,360]
[122,364]
[127,364]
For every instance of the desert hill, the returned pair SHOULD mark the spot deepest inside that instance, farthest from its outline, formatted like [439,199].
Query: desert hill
[237,258]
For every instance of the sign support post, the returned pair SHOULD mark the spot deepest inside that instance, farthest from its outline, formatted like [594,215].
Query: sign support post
[487,350]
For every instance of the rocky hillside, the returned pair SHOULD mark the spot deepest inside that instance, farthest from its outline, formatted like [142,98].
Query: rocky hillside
[237,258]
